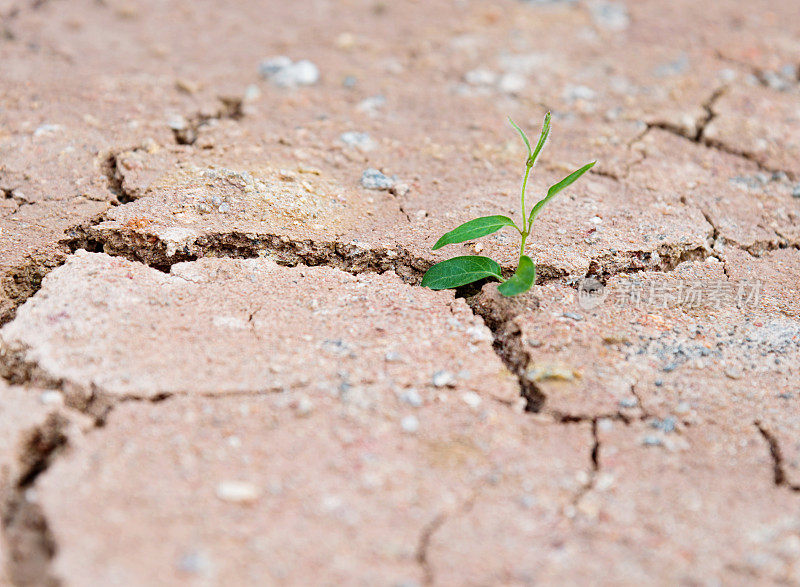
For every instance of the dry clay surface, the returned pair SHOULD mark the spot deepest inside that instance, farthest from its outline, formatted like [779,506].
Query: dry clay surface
[218,367]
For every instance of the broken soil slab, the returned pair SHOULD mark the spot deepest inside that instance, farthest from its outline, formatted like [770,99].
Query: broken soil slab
[777,272]
[692,508]
[745,205]
[702,502]
[219,326]
[31,244]
[649,341]
[292,216]
[760,123]
[246,490]
[35,427]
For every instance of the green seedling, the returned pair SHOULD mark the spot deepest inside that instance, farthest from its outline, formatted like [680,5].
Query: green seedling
[463,270]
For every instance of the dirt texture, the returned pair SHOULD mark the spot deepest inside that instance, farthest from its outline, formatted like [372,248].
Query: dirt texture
[217,364]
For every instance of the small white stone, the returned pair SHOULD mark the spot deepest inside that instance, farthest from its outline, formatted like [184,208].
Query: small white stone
[443,379]
[480,77]
[410,424]
[472,399]
[304,406]
[51,398]
[512,83]
[237,492]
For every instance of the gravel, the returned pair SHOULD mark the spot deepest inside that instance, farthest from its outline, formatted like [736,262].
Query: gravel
[372,179]
[612,16]
[285,73]
[358,140]
[411,397]
[443,379]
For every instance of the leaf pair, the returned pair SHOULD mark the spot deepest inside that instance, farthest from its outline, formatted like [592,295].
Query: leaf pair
[542,139]
[460,271]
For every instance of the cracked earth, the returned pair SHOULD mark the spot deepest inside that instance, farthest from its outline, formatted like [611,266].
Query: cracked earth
[218,367]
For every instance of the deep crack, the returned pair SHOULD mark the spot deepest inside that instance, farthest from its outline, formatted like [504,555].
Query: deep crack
[25,527]
[155,252]
[187,130]
[779,473]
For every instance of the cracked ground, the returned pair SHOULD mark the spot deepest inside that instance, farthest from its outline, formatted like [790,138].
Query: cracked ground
[218,366]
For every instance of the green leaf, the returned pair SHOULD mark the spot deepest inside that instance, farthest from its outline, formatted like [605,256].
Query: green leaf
[460,271]
[474,229]
[522,134]
[542,139]
[554,189]
[522,280]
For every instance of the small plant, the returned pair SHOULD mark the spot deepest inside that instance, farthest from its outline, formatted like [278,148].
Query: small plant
[467,269]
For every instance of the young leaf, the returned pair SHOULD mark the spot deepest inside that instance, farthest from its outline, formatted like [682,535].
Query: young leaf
[554,189]
[522,134]
[474,229]
[522,280]
[542,139]
[460,271]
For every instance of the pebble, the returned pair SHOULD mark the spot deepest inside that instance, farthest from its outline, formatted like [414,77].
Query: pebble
[733,373]
[573,315]
[612,16]
[285,73]
[572,93]
[480,77]
[46,129]
[680,65]
[371,105]
[411,397]
[358,140]
[194,562]
[796,191]
[51,398]
[652,441]
[303,407]
[443,379]
[512,83]
[666,425]
[392,356]
[409,424]
[776,81]
[472,399]
[237,492]
[628,402]
[372,179]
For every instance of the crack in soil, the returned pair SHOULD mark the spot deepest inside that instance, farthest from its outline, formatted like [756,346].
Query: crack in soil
[699,137]
[433,526]
[594,468]
[779,472]
[114,178]
[155,252]
[231,109]
[24,525]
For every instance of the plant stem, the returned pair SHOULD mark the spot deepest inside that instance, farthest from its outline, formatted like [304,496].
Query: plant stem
[524,184]
[522,246]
